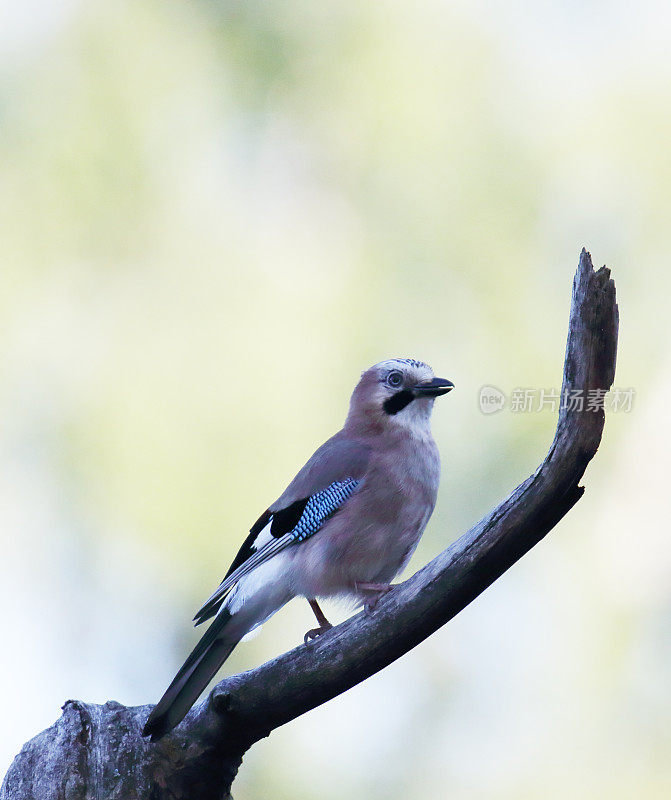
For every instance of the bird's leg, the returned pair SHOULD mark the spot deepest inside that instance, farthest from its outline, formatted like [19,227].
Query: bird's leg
[324,624]
[377,590]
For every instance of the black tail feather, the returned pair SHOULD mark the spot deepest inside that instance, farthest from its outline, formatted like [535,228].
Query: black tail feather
[198,670]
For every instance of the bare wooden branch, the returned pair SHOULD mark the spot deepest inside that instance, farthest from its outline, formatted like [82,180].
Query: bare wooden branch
[96,751]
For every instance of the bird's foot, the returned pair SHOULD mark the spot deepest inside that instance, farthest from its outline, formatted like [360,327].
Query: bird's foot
[324,624]
[313,633]
[376,591]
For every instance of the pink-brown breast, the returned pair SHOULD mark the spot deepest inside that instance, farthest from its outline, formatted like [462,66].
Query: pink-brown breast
[374,535]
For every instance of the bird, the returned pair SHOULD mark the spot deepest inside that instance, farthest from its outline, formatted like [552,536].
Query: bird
[344,527]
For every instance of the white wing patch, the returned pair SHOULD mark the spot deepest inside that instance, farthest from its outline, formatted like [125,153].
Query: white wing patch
[264,537]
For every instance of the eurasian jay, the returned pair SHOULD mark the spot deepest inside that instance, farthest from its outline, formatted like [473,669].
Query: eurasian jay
[344,527]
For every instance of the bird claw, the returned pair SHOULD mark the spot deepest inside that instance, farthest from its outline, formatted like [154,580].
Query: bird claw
[378,590]
[313,633]
[370,605]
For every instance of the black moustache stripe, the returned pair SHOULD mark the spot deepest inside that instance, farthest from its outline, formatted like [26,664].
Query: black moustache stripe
[397,402]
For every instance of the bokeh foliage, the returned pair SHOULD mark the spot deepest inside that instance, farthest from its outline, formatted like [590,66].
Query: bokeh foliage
[214,215]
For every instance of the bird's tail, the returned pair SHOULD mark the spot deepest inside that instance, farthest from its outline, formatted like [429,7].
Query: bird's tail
[199,668]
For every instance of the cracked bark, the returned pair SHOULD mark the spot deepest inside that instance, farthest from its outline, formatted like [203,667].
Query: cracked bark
[96,751]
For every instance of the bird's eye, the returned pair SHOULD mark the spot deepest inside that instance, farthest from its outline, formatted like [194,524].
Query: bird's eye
[395,379]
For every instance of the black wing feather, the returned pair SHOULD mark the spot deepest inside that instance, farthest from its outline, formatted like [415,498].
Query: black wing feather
[247,547]
[285,520]
[246,550]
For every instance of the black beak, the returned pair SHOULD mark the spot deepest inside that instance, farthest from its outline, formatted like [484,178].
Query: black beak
[433,388]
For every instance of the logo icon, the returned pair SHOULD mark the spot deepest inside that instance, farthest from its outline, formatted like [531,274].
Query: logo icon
[491,399]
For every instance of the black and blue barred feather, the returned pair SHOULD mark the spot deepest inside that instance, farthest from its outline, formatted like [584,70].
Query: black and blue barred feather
[321,506]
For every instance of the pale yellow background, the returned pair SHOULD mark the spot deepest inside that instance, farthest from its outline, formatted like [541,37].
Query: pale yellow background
[213,216]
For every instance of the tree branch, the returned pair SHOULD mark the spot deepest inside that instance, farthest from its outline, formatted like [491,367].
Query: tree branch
[97,751]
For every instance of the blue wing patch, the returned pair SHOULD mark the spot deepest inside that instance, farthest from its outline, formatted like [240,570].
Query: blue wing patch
[320,506]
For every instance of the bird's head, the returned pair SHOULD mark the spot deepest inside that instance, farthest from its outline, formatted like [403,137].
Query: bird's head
[398,392]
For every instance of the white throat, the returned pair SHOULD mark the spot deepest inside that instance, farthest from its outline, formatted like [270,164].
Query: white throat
[415,418]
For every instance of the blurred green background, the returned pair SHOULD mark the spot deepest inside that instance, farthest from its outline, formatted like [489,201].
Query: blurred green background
[213,216]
